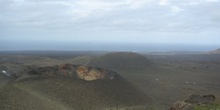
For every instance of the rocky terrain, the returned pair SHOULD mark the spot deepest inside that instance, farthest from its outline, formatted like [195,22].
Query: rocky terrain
[195,101]
[75,72]
[52,83]
[105,81]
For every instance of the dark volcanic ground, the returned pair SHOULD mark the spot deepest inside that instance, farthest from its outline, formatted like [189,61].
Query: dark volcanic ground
[171,78]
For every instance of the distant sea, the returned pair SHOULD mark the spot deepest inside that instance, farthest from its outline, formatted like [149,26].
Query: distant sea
[87,46]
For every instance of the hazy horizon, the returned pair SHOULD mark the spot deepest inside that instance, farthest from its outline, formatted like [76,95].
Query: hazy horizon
[22,46]
[134,25]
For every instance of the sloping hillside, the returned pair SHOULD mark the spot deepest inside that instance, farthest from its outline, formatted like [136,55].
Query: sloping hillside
[217,51]
[59,88]
[122,61]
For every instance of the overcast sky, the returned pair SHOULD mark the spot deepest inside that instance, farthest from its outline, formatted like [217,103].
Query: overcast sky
[124,21]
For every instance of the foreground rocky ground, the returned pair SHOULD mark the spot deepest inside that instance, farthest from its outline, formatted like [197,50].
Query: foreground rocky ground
[197,102]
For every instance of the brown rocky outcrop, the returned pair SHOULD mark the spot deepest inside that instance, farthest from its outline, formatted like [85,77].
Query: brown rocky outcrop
[197,99]
[74,71]
[181,105]
[194,99]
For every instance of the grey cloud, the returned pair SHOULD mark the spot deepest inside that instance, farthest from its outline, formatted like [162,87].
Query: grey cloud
[49,13]
[30,14]
[107,18]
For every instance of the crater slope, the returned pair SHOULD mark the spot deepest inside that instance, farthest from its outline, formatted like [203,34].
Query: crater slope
[73,87]
[75,72]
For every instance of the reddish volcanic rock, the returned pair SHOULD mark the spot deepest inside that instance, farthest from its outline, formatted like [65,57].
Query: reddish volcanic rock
[74,71]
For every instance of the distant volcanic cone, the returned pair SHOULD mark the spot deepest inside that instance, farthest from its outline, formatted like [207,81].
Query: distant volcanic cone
[217,51]
[122,60]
